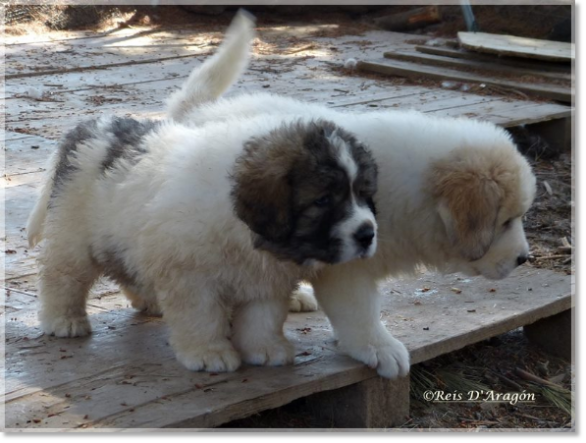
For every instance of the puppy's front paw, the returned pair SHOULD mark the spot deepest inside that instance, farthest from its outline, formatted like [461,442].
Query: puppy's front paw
[389,357]
[65,326]
[212,357]
[303,300]
[274,352]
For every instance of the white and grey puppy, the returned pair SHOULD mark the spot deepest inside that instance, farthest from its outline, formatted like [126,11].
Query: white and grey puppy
[202,223]
[451,196]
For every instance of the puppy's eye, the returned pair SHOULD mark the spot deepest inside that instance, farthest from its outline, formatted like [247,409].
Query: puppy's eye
[322,201]
[507,224]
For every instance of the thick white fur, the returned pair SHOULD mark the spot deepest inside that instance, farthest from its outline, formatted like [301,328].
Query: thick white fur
[412,224]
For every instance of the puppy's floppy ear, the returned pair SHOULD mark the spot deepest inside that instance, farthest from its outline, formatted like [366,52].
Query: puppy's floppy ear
[468,204]
[261,191]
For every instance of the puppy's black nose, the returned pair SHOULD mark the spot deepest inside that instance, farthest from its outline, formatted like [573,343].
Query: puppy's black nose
[364,235]
[521,259]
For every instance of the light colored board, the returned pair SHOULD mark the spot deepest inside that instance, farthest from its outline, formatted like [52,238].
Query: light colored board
[130,47]
[522,114]
[140,92]
[506,114]
[563,70]
[136,378]
[24,266]
[506,72]
[137,46]
[20,194]
[502,112]
[68,36]
[431,101]
[412,70]
[518,46]
[407,94]
[53,125]
[27,154]
[53,70]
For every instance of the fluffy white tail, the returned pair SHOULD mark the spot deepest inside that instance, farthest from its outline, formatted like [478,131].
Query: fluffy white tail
[36,221]
[209,81]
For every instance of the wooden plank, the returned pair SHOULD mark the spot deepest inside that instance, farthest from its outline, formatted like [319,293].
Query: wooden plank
[506,114]
[365,99]
[518,46]
[373,403]
[96,67]
[508,72]
[69,36]
[437,100]
[554,334]
[137,378]
[551,68]
[528,114]
[27,154]
[29,58]
[557,133]
[406,69]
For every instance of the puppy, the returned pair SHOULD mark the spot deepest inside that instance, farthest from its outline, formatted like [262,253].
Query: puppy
[452,195]
[202,223]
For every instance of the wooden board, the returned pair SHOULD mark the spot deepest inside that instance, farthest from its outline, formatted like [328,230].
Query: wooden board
[506,72]
[518,46]
[125,375]
[406,69]
[553,68]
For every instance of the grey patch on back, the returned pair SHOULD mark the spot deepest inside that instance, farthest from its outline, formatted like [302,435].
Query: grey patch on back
[128,135]
[123,134]
[82,132]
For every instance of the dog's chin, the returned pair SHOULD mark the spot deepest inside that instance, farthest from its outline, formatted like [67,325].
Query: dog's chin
[311,256]
[357,253]
[314,264]
[304,254]
[497,271]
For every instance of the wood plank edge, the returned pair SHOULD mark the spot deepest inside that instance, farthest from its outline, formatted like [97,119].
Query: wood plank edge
[483,333]
[419,71]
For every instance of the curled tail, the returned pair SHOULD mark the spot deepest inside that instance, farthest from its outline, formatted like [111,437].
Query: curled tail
[36,220]
[210,80]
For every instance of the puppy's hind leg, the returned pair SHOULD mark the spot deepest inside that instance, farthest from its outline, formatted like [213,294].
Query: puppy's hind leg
[64,284]
[198,321]
[146,302]
[303,299]
[258,332]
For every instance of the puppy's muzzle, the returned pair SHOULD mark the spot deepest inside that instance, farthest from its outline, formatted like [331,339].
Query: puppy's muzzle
[364,235]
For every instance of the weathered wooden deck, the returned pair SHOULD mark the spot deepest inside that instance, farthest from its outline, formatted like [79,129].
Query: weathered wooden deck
[125,376]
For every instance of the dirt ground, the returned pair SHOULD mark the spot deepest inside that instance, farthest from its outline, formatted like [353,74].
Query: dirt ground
[494,363]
